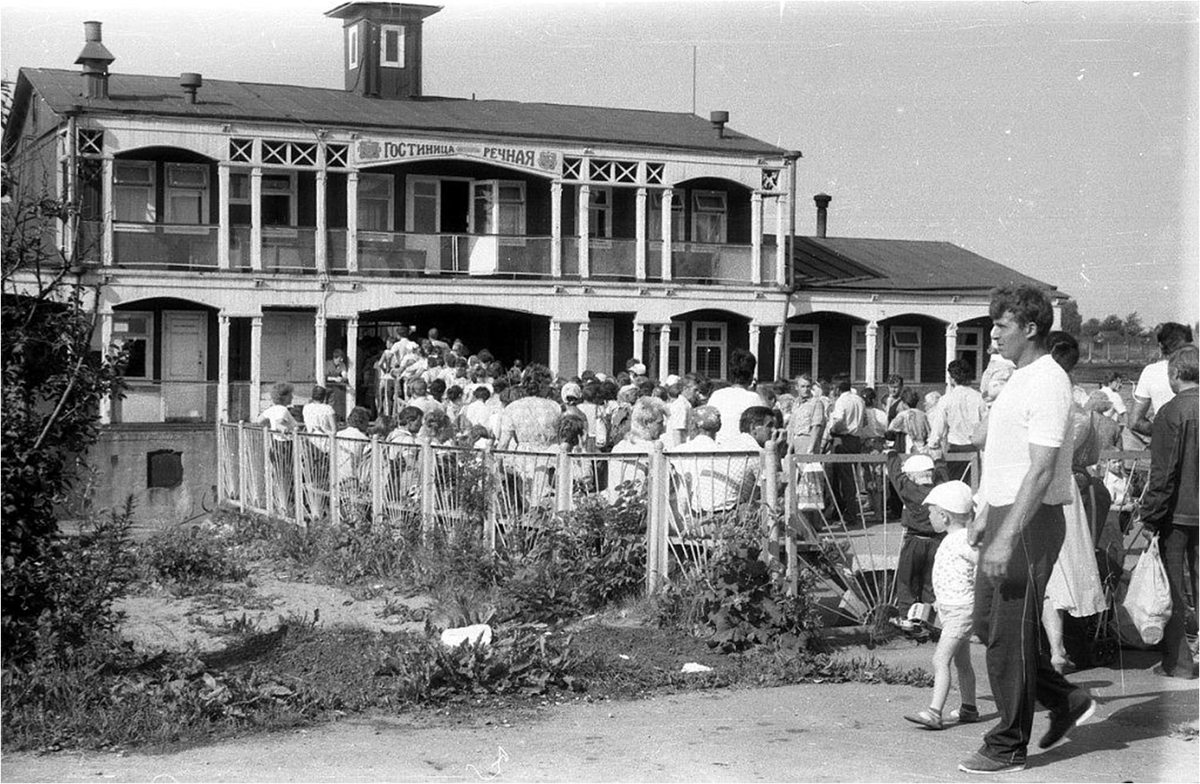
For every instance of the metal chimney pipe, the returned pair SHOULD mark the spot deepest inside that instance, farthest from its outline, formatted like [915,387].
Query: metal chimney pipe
[95,59]
[822,200]
[190,82]
[718,119]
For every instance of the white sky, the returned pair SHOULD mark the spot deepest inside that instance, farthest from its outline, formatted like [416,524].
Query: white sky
[1057,138]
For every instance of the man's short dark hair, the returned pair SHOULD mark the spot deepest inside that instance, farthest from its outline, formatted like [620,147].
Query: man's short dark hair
[1183,363]
[1172,335]
[841,382]
[1064,348]
[1028,304]
[359,418]
[481,393]
[318,394]
[961,371]
[409,414]
[754,416]
[741,366]
[910,398]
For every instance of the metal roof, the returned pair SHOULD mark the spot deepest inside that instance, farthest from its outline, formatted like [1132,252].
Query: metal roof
[161,96]
[847,263]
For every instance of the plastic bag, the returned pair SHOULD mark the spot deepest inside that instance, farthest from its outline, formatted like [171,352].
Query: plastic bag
[1148,599]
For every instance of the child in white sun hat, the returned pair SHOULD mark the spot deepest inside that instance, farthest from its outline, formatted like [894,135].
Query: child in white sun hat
[951,509]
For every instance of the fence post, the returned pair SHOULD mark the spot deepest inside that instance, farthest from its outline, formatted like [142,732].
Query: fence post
[242,464]
[298,443]
[656,530]
[487,460]
[789,508]
[770,495]
[376,480]
[268,482]
[428,488]
[562,484]
[335,483]
[222,465]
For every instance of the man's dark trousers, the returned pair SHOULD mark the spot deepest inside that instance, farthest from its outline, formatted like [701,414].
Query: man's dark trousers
[845,485]
[1008,619]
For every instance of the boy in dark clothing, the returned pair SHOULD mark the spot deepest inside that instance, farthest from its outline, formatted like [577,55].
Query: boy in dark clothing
[913,476]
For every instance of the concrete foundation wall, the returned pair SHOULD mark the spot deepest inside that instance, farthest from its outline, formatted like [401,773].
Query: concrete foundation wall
[120,461]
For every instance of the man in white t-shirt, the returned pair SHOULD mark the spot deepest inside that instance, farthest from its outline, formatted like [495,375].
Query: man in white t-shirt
[1026,480]
[732,400]
[1153,390]
[1112,391]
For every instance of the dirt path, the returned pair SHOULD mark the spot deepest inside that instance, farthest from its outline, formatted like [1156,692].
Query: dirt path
[822,732]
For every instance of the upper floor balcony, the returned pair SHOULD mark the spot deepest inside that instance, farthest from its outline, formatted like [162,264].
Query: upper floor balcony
[469,220]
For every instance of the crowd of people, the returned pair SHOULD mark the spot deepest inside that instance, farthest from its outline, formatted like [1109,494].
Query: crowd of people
[1020,551]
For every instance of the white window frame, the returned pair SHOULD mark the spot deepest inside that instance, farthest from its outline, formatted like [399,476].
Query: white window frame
[384,61]
[390,214]
[352,46]
[148,187]
[600,201]
[791,342]
[858,343]
[493,204]
[895,346]
[700,211]
[675,349]
[410,201]
[170,189]
[120,319]
[654,216]
[980,348]
[273,176]
[722,345]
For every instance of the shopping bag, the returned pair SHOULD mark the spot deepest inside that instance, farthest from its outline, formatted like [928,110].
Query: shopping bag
[1148,599]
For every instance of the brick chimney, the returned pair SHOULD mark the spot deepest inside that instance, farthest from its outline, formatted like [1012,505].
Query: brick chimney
[94,58]
[822,200]
[383,47]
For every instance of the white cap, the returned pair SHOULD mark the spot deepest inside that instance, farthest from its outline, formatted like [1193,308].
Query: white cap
[638,369]
[952,496]
[917,463]
[671,379]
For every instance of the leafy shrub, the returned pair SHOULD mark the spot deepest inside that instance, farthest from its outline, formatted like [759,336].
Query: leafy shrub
[740,599]
[192,556]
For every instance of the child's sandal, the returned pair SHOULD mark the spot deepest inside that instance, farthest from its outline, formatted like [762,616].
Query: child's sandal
[926,718]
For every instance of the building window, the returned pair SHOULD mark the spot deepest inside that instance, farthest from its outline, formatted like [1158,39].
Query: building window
[239,198]
[375,202]
[500,207]
[708,348]
[424,205]
[135,331]
[187,193]
[708,217]
[675,350]
[352,46]
[858,353]
[133,192]
[278,200]
[970,347]
[391,46]
[905,354]
[600,212]
[802,350]
[654,216]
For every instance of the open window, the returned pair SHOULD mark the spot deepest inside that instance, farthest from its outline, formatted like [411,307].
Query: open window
[499,207]
[133,192]
[905,356]
[858,353]
[600,212]
[135,331]
[279,200]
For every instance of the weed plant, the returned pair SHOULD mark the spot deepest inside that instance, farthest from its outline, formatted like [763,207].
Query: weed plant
[192,558]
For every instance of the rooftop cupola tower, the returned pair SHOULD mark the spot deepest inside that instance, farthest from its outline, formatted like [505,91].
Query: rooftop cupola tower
[383,47]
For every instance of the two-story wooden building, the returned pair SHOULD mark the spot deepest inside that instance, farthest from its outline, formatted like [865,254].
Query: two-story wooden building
[243,231]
